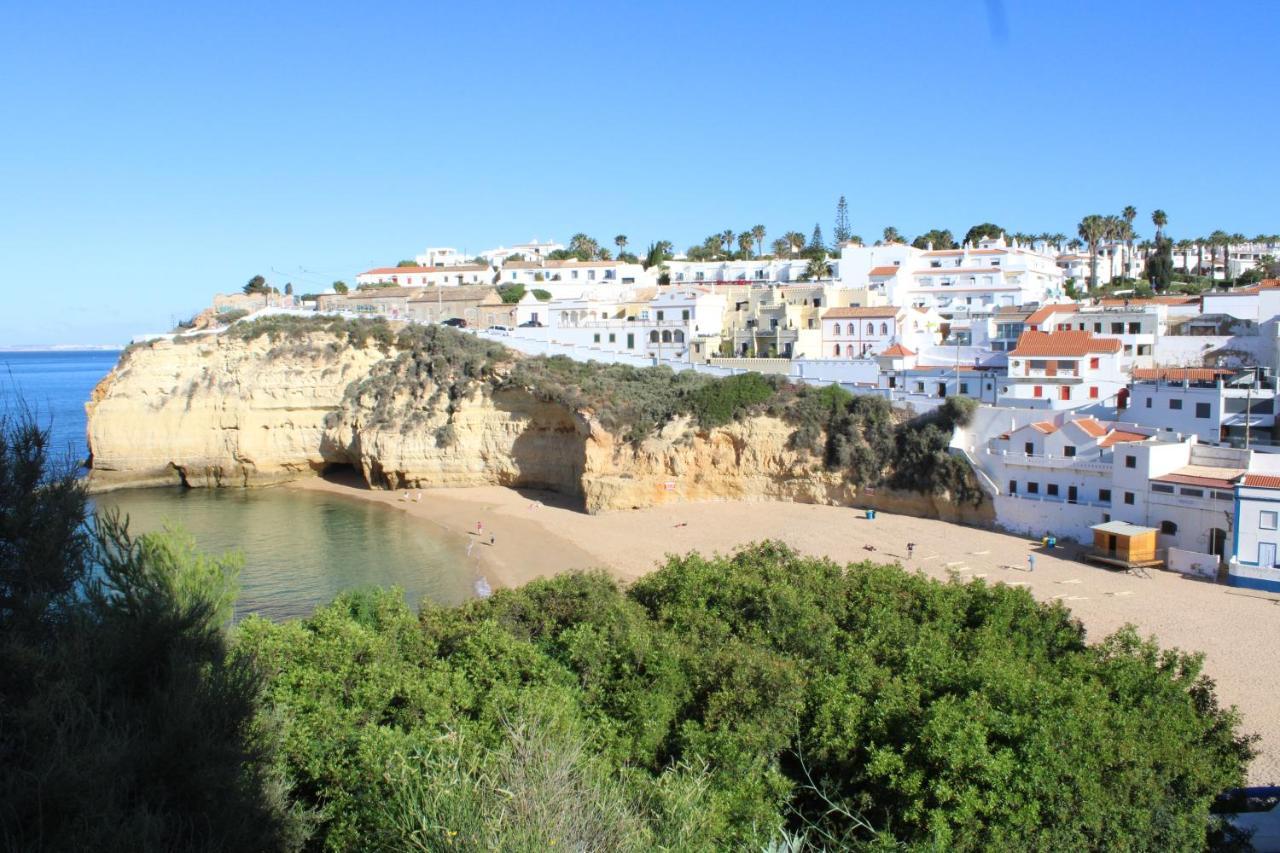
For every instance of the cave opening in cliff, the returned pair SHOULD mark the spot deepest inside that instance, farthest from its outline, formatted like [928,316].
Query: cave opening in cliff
[342,472]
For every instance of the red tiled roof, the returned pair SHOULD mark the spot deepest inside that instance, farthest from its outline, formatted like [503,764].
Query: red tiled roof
[1074,343]
[1091,426]
[1178,374]
[1153,300]
[888,270]
[843,313]
[1045,427]
[1201,475]
[897,349]
[1262,481]
[1049,310]
[1120,436]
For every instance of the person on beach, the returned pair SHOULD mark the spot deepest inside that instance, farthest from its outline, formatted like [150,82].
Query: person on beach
[1031,562]
[479,528]
[493,539]
[911,549]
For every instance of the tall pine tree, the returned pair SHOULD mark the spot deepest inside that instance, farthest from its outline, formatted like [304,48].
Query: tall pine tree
[815,242]
[843,232]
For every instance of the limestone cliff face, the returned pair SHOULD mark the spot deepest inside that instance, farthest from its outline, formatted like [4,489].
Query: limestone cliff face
[222,412]
[218,411]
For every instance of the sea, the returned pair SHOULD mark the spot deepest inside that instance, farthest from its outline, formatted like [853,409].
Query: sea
[299,549]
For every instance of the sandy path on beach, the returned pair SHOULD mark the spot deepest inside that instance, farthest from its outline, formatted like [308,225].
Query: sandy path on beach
[539,534]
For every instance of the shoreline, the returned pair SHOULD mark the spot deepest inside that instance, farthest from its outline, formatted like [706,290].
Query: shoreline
[542,533]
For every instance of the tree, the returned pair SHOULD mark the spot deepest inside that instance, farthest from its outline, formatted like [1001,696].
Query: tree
[745,241]
[659,252]
[583,247]
[781,246]
[1159,219]
[340,287]
[795,242]
[757,234]
[842,231]
[621,242]
[118,692]
[816,243]
[1114,231]
[1130,213]
[818,268]
[983,231]
[891,235]
[939,238]
[1092,229]
[257,284]
[288,289]
[1159,267]
[403,264]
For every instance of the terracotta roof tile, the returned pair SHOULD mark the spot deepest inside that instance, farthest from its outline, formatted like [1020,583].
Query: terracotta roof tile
[1262,481]
[1178,374]
[897,350]
[1202,475]
[1073,343]
[1120,436]
[421,270]
[1048,311]
[887,270]
[1045,427]
[1091,426]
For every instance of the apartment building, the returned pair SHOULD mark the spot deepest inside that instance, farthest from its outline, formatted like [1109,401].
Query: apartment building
[749,271]
[531,251]
[858,332]
[1137,328]
[573,277]
[1255,562]
[437,276]
[1217,405]
[1063,370]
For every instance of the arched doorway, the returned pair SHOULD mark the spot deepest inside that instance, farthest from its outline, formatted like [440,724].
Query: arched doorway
[1218,542]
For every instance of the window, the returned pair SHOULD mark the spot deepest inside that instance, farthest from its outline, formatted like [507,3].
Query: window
[1175,405]
[1104,496]
[1128,498]
[1013,487]
[613,338]
[1117,328]
[1224,496]
[871,328]
[684,315]
[1037,391]
[653,336]
[1068,451]
[596,337]
[837,349]
[1267,520]
[1202,410]
[1148,402]
[1093,363]
[1033,488]
[919,387]
[964,387]
[1128,349]
[1191,493]
[659,316]
[1168,528]
[631,340]
[1162,488]
[1135,328]
[1064,393]
[1028,448]
[1052,489]
[884,328]
[1093,392]
[1097,327]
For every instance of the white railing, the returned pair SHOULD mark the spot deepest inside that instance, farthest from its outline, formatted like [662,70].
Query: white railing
[1038,460]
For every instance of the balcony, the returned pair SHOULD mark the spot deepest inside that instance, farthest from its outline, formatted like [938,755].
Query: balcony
[1101,464]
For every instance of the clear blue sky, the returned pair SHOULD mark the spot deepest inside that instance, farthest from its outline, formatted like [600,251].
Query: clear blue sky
[154,153]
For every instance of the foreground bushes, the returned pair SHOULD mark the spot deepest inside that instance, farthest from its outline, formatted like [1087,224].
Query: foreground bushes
[730,703]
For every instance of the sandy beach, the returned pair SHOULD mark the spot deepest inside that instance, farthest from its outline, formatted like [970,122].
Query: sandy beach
[540,533]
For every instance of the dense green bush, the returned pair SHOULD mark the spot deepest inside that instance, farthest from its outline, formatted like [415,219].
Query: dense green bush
[732,702]
[124,724]
[288,328]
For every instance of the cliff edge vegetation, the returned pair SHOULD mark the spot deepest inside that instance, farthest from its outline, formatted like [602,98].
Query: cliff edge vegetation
[414,406]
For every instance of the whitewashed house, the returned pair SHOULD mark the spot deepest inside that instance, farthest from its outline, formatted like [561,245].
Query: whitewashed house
[1217,405]
[441,276]
[1063,370]
[1255,558]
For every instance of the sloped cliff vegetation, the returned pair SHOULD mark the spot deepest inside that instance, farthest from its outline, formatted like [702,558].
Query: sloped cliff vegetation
[430,406]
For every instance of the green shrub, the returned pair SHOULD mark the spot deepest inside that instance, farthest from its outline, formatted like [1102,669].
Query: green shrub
[720,401]
[541,295]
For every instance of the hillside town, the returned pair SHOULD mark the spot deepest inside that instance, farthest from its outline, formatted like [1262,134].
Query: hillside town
[1119,401]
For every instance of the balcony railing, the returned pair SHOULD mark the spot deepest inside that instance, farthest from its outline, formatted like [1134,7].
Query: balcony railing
[1035,460]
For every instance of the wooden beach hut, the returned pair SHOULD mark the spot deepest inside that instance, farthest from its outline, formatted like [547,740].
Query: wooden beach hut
[1126,545]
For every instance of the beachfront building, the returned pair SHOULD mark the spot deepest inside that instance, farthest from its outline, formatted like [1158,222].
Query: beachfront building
[1137,328]
[639,321]
[972,280]
[749,271]
[437,276]
[1255,547]
[1063,370]
[859,332]
[1217,405]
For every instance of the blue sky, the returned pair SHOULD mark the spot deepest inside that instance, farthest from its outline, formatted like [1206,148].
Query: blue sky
[153,155]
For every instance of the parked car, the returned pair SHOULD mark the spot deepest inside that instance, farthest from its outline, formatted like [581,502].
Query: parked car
[456,322]
[499,330]
[531,324]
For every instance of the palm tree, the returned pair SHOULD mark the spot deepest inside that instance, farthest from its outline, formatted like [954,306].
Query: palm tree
[1218,239]
[757,234]
[621,242]
[745,241]
[1159,219]
[1130,213]
[726,239]
[1092,229]
[781,247]
[817,268]
[1075,244]
[891,235]
[1184,248]
[795,242]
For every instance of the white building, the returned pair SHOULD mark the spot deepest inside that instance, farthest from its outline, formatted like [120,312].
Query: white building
[859,332]
[1063,370]
[1137,328]
[531,251]
[444,276]
[441,257]
[1217,405]
[640,321]
[750,271]
[1255,563]
[572,278]
[974,279]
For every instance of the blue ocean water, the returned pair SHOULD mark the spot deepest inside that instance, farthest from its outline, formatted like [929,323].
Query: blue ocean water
[54,386]
[300,549]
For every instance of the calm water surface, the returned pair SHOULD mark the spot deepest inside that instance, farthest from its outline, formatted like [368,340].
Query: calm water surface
[300,548]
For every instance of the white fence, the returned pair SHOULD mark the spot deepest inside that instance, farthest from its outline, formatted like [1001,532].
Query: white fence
[1192,563]
[1032,516]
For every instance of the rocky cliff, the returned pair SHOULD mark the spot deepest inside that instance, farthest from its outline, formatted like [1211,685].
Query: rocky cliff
[223,410]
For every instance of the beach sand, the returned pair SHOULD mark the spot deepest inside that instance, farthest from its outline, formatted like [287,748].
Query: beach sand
[542,533]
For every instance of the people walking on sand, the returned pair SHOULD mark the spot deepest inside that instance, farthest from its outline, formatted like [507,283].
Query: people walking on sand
[1031,562]
[479,528]
[911,549]
[493,539]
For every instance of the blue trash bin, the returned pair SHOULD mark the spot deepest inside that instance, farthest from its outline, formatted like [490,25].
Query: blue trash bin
[871,515]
